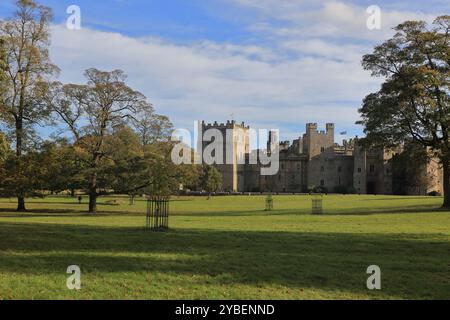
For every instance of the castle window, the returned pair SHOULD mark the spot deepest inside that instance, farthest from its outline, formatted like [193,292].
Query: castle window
[359,170]
[372,168]
[282,167]
[322,149]
[322,182]
[339,169]
[293,176]
[339,180]
[322,169]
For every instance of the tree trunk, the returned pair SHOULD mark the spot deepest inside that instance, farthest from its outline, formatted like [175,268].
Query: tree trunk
[93,194]
[19,142]
[21,204]
[93,201]
[446,169]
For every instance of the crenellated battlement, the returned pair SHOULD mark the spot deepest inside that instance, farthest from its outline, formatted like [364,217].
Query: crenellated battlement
[230,124]
[312,129]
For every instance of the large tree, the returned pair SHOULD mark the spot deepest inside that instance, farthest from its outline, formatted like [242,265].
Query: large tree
[91,111]
[413,103]
[25,42]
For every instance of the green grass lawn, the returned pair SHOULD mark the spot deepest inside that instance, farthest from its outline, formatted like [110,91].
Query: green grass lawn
[228,248]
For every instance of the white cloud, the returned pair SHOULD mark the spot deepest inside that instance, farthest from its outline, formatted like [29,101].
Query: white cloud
[210,81]
[328,18]
[309,72]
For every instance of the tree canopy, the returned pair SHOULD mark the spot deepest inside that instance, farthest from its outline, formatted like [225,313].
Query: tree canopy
[413,103]
[24,42]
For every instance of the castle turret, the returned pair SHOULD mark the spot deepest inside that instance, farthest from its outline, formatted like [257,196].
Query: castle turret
[330,130]
[311,128]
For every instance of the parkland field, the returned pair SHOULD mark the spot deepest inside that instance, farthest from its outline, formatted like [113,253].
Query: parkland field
[227,248]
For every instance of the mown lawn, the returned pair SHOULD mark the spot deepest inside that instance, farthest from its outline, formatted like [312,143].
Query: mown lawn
[228,248]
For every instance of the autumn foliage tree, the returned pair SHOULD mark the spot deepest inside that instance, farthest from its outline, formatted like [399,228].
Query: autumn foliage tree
[24,40]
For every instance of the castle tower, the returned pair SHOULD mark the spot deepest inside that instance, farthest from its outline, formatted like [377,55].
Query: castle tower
[236,147]
[360,169]
[315,143]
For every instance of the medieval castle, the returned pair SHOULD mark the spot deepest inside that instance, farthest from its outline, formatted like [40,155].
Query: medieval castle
[315,162]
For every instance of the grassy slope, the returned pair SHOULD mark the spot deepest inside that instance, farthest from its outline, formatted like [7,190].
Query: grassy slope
[228,248]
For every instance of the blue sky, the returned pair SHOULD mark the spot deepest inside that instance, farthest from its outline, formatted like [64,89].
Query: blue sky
[271,63]
[175,20]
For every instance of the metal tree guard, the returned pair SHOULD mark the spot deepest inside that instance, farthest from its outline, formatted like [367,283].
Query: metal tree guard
[317,204]
[269,203]
[158,213]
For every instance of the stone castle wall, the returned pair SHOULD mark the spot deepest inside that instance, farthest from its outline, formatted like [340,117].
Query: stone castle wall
[314,160]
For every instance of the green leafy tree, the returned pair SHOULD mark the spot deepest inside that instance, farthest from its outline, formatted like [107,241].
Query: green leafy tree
[91,111]
[211,179]
[147,169]
[190,175]
[63,165]
[31,177]
[129,171]
[25,42]
[155,173]
[413,103]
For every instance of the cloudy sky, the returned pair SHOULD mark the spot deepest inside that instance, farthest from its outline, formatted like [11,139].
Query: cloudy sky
[270,63]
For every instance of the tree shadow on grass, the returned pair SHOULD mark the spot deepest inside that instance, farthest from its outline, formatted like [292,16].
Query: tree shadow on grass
[37,212]
[60,213]
[387,210]
[397,198]
[363,211]
[413,266]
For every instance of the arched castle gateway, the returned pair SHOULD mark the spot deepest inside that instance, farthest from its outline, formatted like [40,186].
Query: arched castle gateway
[315,160]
